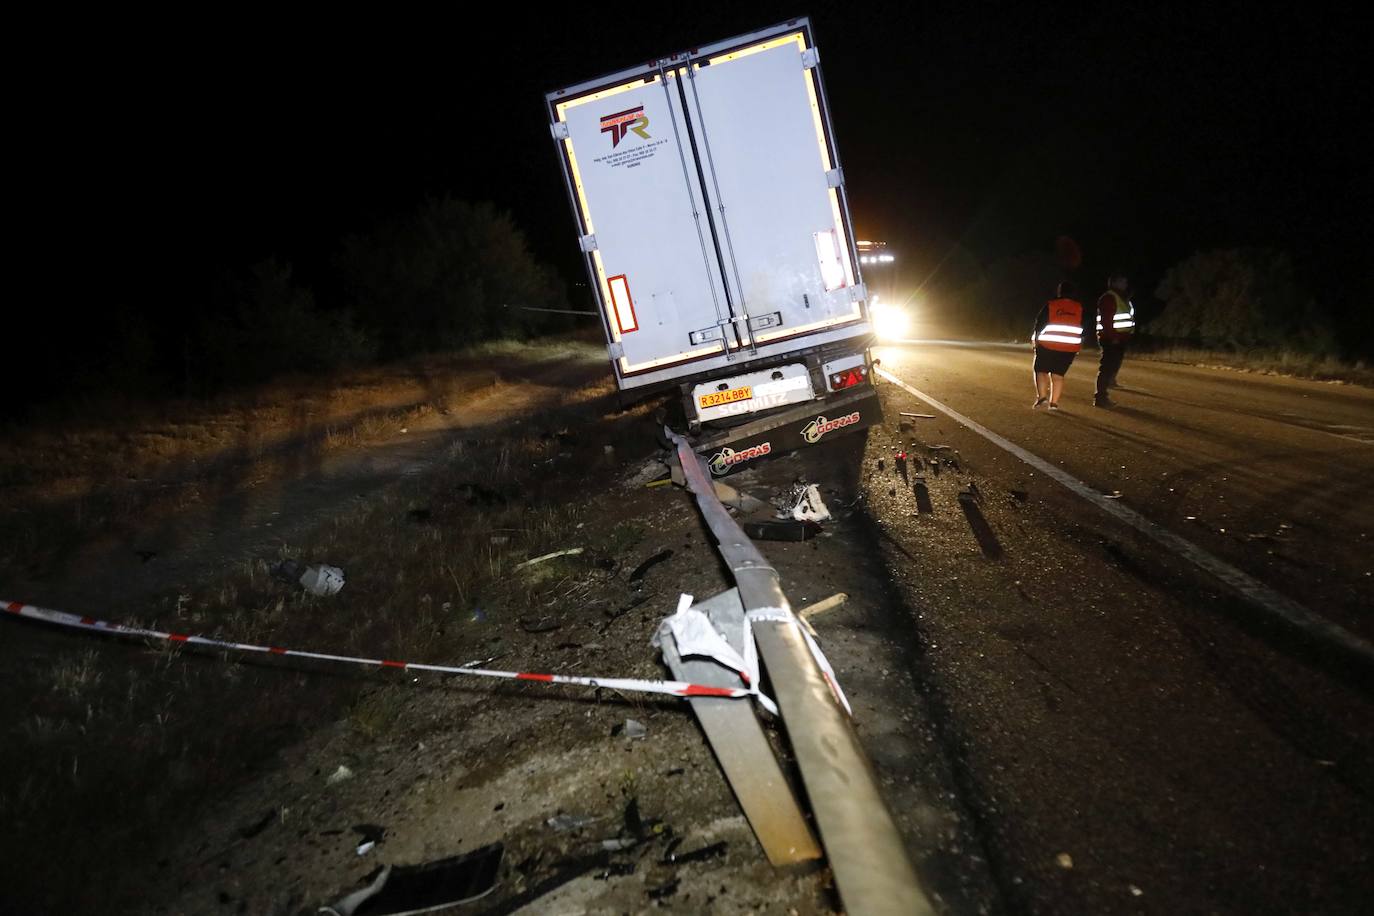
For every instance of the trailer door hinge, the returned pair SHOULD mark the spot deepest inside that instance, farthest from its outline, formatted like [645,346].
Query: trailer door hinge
[588,243]
[857,292]
[763,322]
[700,337]
[616,350]
[810,57]
[559,129]
[834,178]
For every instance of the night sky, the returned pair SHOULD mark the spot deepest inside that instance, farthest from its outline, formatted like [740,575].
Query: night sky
[1145,132]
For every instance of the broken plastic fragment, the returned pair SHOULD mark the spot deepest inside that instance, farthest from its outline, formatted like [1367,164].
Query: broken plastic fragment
[402,889]
[562,823]
[339,775]
[644,567]
[809,506]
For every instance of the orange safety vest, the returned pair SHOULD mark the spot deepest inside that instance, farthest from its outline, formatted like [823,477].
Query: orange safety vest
[1064,330]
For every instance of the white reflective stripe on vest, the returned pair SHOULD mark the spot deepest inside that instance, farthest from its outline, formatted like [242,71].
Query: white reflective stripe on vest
[1124,317]
[1059,338]
[1061,329]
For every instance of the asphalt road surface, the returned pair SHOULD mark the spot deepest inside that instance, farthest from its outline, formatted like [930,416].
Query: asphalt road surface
[1130,733]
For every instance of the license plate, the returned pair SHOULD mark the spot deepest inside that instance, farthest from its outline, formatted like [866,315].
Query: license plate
[716,398]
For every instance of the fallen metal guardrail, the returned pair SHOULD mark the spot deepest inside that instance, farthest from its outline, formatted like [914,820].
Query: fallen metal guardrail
[866,852]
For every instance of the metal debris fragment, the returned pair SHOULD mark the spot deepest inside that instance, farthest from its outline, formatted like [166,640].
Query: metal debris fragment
[651,562]
[570,552]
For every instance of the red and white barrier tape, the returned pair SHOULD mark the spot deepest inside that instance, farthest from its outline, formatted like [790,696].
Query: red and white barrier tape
[669,688]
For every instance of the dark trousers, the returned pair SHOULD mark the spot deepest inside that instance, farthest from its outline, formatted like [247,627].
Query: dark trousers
[1109,366]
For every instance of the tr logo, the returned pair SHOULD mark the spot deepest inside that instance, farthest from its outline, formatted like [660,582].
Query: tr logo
[622,122]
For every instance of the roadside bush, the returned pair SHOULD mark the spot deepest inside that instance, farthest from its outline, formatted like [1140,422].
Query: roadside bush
[266,324]
[447,275]
[1241,298]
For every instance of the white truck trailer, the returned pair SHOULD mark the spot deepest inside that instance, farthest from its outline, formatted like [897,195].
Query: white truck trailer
[711,210]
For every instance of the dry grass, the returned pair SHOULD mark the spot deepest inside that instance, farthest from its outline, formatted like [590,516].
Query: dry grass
[168,725]
[104,465]
[1268,362]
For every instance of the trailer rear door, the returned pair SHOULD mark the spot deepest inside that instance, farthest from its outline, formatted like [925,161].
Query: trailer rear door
[786,241]
[711,207]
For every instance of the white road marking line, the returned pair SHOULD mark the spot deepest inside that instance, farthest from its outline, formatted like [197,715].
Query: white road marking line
[1248,586]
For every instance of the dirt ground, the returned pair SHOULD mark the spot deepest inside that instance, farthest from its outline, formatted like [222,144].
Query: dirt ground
[195,782]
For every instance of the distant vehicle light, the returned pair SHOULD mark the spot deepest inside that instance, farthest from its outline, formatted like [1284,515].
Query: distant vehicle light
[891,322]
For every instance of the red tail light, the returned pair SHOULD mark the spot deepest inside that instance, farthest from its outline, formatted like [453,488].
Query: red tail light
[848,378]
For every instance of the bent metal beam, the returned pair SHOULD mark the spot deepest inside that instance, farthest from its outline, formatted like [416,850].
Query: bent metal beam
[866,852]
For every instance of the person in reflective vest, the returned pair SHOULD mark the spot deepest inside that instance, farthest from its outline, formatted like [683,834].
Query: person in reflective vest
[1058,336]
[1115,325]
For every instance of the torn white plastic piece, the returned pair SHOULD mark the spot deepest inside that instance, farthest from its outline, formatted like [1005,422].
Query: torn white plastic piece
[693,634]
[810,507]
[322,580]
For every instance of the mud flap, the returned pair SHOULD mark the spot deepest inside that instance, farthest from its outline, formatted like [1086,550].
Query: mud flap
[785,432]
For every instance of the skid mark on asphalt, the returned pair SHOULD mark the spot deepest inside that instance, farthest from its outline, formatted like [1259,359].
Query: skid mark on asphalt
[1255,591]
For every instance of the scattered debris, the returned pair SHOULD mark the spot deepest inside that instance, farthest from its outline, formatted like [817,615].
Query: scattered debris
[882,465]
[736,499]
[317,579]
[676,771]
[615,870]
[918,416]
[653,561]
[715,850]
[259,825]
[400,889]
[630,728]
[781,531]
[634,603]
[1064,860]
[370,835]
[562,823]
[366,846]
[820,607]
[499,539]
[1019,495]
[658,483]
[1115,494]
[664,891]
[809,506]
[570,552]
[1135,891]
[900,460]
[922,494]
[539,625]
[339,776]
